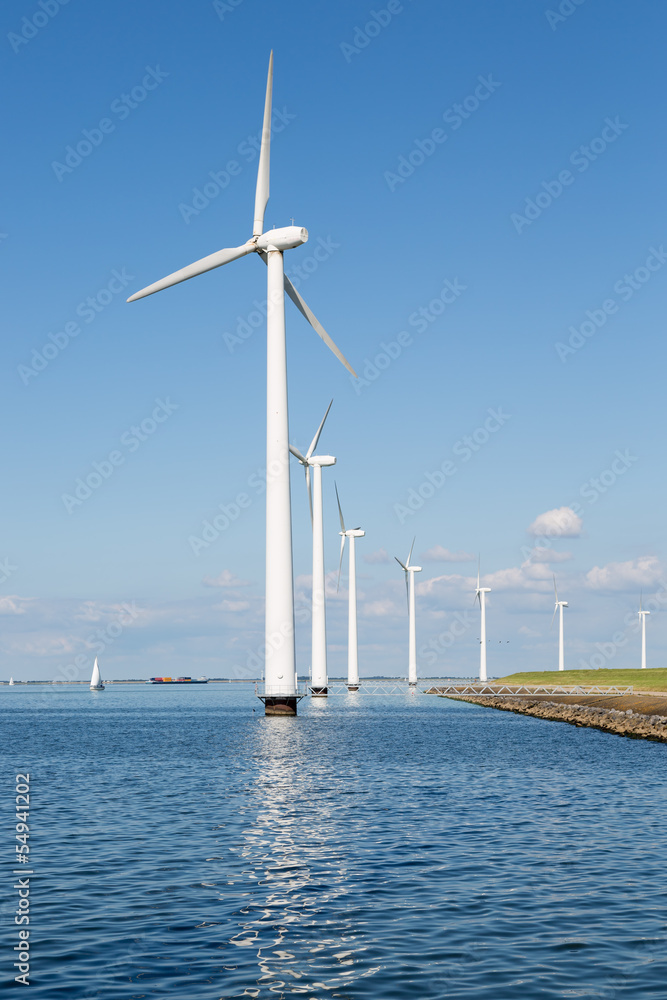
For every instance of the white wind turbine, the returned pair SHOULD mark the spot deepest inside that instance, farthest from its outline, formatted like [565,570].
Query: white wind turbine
[412,626]
[561,645]
[352,642]
[480,595]
[642,617]
[280,672]
[318,677]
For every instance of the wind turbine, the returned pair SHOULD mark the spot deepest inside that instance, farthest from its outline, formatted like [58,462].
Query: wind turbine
[480,595]
[279,694]
[412,629]
[352,643]
[561,650]
[642,617]
[318,678]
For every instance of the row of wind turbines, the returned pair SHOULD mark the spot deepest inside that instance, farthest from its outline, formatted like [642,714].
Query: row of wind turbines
[280,689]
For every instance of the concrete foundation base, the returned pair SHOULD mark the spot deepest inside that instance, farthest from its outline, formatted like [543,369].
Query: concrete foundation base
[352,687]
[280,706]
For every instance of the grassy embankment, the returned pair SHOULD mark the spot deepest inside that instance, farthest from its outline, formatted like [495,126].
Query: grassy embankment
[640,680]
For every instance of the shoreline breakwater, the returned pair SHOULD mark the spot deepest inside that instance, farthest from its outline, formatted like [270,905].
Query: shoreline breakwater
[635,716]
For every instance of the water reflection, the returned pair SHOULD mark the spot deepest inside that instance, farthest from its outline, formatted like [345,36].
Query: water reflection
[294,874]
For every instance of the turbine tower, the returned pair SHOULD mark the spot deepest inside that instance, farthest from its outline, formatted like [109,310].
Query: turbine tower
[480,595]
[412,629]
[642,617]
[561,644]
[280,691]
[318,676]
[352,642]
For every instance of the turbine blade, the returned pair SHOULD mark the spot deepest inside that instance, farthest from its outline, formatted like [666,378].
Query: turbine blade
[262,189]
[316,325]
[407,589]
[313,443]
[553,616]
[410,552]
[401,564]
[310,493]
[479,559]
[297,454]
[641,593]
[340,512]
[555,589]
[340,564]
[312,319]
[213,260]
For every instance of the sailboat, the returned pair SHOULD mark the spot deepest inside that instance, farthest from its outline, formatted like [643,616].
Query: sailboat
[96,680]
[11,681]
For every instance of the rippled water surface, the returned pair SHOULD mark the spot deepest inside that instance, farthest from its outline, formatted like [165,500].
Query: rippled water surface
[186,847]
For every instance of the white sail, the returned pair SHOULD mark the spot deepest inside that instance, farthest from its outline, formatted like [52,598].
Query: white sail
[96,680]
[11,680]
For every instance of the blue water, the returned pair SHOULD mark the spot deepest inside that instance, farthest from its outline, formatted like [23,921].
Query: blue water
[397,847]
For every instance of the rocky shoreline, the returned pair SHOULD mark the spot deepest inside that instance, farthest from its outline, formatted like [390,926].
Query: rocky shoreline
[628,715]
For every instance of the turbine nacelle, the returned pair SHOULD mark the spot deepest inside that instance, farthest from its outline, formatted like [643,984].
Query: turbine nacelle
[322,460]
[353,533]
[286,238]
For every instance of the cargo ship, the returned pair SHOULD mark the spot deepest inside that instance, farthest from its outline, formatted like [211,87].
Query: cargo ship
[177,680]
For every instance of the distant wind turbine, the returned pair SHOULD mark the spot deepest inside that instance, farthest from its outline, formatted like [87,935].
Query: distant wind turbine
[352,642]
[280,670]
[561,644]
[412,626]
[318,679]
[480,595]
[642,617]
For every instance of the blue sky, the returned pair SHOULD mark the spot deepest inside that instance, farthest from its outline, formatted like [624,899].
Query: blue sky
[481,180]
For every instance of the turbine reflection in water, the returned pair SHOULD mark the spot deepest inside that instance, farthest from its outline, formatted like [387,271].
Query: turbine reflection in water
[297,877]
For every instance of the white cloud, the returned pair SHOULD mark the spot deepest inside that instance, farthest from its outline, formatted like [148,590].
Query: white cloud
[441,554]
[378,609]
[561,522]
[532,632]
[381,556]
[642,572]
[13,605]
[225,579]
[540,555]
[234,605]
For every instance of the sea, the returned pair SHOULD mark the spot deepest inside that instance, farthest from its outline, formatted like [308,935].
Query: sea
[184,846]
